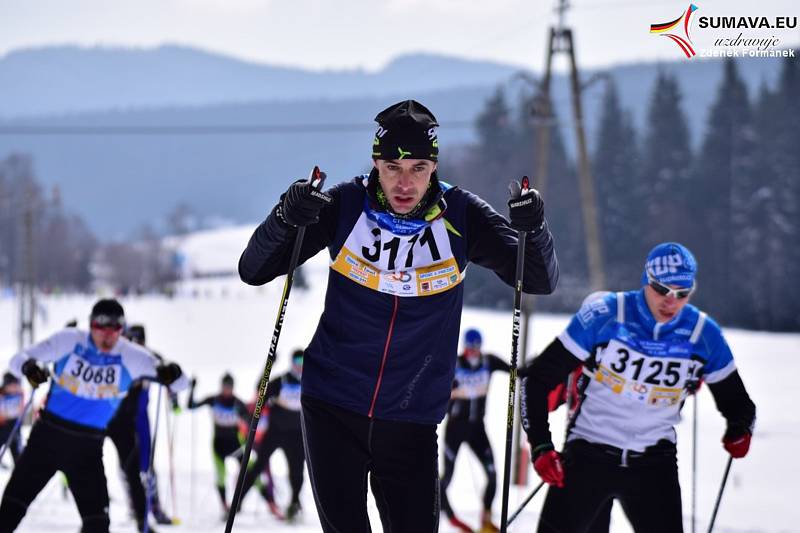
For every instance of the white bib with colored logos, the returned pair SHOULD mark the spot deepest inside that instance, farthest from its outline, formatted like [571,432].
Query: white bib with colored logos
[419,264]
[86,380]
[653,381]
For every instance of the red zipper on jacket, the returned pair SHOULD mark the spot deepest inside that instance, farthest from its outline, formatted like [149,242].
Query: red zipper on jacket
[385,354]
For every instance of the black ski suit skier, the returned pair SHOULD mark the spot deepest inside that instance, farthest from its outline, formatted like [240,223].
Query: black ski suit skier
[123,432]
[283,395]
[92,372]
[465,424]
[380,367]
[230,416]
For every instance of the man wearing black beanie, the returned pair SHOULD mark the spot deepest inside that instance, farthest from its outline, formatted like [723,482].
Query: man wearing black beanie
[379,369]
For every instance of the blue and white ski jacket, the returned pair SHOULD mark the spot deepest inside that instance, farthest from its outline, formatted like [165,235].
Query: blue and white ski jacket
[387,341]
[637,373]
[11,406]
[88,385]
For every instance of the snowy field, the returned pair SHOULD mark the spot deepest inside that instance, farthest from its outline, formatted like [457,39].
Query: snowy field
[226,326]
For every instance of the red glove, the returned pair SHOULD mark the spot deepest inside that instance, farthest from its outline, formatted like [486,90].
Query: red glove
[737,446]
[550,468]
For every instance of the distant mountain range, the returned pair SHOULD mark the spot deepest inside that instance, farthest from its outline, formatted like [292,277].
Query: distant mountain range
[68,79]
[239,132]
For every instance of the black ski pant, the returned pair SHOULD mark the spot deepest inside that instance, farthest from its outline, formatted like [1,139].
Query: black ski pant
[15,445]
[122,432]
[291,442]
[225,444]
[343,448]
[646,484]
[456,432]
[51,447]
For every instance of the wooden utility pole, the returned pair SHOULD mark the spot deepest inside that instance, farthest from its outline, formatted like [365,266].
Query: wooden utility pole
[560,39]
[591,220]
[26,286]
[543,118]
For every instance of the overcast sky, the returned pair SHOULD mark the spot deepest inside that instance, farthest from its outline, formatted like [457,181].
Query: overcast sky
[335,34]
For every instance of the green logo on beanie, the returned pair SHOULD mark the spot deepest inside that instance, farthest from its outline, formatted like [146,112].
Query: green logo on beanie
[402,153]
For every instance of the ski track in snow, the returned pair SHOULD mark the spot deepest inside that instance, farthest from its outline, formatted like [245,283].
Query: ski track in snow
[228,325]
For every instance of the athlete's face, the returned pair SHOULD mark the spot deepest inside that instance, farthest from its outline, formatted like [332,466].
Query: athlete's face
[227,391]
[472,353]
[297,367]
[664,308]
[105,337]
[404,181]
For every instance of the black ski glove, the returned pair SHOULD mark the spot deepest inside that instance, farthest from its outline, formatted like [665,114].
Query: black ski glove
[302,202]
[36,374]
[525,207]
[168,374]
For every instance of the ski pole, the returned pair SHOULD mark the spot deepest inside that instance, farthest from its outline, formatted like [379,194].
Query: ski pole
[512,380]
[316,179]
[526,502]
[17,426]
[694,463]
[171,430]
[719,496]
[192,465]
[150,471]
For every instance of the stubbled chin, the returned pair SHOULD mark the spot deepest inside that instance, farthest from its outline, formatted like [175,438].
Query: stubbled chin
[402,209]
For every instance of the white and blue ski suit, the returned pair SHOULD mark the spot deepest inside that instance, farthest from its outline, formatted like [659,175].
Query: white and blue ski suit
[621,438]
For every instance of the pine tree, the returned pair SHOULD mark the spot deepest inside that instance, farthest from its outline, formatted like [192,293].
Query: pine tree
[779,159]
[725,177]
[494,127]
[620,193]
[667,160]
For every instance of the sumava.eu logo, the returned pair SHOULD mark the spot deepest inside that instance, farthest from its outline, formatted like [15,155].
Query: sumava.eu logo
[678,31]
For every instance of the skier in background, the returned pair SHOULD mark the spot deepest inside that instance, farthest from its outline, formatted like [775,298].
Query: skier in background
[229,414]
[92,373]
[267,486]
[129,430]
[12,403]
[465,424]
[643,353]
[283,396]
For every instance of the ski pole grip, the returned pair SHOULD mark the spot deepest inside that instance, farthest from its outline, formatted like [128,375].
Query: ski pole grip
[317,178]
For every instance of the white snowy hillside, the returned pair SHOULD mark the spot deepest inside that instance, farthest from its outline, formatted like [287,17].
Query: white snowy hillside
[218,324]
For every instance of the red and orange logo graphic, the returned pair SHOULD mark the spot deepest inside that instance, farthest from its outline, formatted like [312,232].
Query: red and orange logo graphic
[685,43]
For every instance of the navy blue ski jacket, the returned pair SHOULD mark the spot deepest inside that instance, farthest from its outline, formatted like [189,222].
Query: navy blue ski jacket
[392,356]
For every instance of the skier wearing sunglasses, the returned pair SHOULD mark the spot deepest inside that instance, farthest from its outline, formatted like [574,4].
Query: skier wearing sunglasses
[643,352]
[92,373]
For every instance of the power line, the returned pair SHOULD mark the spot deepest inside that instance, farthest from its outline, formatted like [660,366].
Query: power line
[209,129]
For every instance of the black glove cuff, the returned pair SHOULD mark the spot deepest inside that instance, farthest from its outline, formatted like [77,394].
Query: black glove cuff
[538,450]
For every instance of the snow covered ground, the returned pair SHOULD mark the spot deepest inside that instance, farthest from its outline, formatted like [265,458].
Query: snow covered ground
[227,327]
